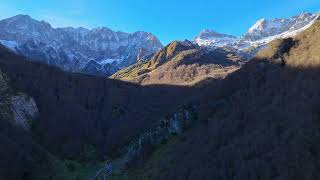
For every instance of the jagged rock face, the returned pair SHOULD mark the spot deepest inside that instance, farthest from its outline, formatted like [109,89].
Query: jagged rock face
[143,55]
[73,48]
[97,69]
[208,33]
[259,35]
[25,110]
[18,108]
[172,125]
[266,28]
[209,37]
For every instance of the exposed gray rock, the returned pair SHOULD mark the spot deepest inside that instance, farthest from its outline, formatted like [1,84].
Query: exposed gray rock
[147,142]
[172,125]
[18,108]
[25,110]
[258,36]
[267,28]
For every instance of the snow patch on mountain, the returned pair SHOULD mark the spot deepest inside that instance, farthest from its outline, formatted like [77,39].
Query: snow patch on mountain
[111,61]
[212,38]
[261,33]
[267,28]
[290,33]
[11,45]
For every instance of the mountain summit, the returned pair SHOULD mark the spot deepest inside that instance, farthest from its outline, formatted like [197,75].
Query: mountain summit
[208,37]
[266,28]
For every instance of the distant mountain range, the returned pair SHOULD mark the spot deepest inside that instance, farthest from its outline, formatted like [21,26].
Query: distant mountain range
[99,51]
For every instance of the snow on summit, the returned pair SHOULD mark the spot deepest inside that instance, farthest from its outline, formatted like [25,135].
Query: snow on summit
[258,35]
[210,37]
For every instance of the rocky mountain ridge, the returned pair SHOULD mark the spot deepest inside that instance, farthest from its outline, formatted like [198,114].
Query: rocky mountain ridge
[99,51]
[261,33]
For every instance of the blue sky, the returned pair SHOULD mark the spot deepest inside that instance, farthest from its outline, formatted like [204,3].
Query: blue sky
[167,19]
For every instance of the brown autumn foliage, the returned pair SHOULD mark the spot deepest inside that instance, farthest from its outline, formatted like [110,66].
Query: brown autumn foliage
[261,122]
[181,63]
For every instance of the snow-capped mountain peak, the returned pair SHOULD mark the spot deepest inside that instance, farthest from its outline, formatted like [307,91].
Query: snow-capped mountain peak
[266,28]
[209,33]
[259,25]
[210,37]
[302,20]
[258,35]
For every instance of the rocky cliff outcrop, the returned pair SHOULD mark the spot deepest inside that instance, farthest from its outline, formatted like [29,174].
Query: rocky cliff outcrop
[141,148]
[25,110]
[19,108]
[167,127]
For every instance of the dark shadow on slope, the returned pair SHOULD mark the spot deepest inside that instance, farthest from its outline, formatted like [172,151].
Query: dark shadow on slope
[201,56]
[78,110]
[261,122]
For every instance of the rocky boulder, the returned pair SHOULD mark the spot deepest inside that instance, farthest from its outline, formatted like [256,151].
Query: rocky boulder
[25,110]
